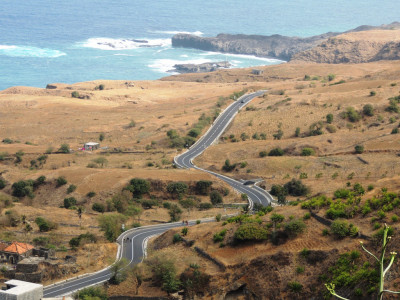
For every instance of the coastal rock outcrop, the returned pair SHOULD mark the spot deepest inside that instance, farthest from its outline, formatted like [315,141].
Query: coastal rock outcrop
[274,46]
[286,48]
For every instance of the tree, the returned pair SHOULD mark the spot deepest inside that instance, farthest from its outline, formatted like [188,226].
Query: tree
[111,224]
[329,118]
[119,271]
[215,198]
[177,188]
[352,114]
[203,187]
[175,213]
[368,110]
[138,187]
[297,132]
[134,211]
[64,148]
[102,161]
[23,188]
[296,188]
[280,192]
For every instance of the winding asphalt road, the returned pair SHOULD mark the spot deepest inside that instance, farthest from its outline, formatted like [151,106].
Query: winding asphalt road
[185,160]
[132,243]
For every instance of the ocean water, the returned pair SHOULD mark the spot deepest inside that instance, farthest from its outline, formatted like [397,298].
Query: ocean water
[48,41]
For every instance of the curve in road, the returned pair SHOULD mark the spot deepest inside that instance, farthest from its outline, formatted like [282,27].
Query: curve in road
[255,194]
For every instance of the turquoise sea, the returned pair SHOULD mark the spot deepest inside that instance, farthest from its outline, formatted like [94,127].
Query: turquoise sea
[47,41]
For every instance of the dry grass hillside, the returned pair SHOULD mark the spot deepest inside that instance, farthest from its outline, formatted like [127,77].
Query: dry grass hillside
[133,118]
[355,47]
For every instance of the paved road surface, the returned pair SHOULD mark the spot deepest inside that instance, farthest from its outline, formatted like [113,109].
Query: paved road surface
[255,194]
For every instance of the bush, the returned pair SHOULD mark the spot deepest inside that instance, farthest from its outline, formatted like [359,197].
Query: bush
[251,231]
[41,241]
[177,188]
[307,152]
[263,153]
[71,189]
[296,188]
[138,187]
[61,181]
[276,152]
[68,202]
[99,207]
[295,227]
[44,225]
[359,149]
[176,238]
[295,286]
[368,110]
[329,118]
[64,148]
[93,292]
[111,224]
[205,206]
[174,212]
[23,188]
[203,187]
[91,194]
[75,94]
[2,184]
[215,198]
[341,229]
[228,167]
[219,237]
[352,115]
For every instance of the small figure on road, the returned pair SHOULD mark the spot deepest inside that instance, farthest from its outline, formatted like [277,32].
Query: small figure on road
[187,223]
[183,222]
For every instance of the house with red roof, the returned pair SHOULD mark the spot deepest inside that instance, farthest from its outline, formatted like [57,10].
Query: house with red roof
[15,251]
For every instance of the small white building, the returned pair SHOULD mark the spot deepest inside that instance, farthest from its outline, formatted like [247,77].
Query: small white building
[21,290]
[91,146]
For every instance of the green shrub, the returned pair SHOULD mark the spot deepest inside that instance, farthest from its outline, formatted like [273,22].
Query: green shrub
[45,225]
[295,227]
[307,152]
[395,218]
[75,94]
[184,231]
[219,237]
[138,187]
[99,207]
[263,153]
[300,270]
[93,292]
[295,286]
[90,194]
[41,241]
[306,216]
[352,115]
[205,206]
[359,149]
[71,189]
[215,198]
[64,148]
[276,152]
[304,252]
[23,188]
[198,222]
[329,118]
[61,181]
[176,238]
[251,231]
[68,202]
[2,184]
[203,187]
[218,217]
[341,229]
[174,212]
[296,188]
[325,232]
[368,110]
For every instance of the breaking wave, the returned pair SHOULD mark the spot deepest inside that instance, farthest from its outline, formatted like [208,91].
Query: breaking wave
[28,51]
[124,44]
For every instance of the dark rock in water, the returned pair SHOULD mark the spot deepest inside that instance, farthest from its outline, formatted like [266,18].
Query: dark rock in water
[51,86]
[201,68]
[140,41]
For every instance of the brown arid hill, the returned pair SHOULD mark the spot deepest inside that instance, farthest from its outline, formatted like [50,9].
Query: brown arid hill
[354,47]
[237,269]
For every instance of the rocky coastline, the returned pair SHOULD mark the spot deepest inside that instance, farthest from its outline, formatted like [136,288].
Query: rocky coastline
[273,46]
